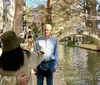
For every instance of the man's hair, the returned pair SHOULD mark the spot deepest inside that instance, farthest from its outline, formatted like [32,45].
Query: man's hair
[48,25]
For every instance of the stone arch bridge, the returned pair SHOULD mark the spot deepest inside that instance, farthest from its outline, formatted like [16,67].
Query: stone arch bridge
[61,35]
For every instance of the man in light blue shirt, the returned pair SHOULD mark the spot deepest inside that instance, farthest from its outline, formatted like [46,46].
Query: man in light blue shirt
[50,58]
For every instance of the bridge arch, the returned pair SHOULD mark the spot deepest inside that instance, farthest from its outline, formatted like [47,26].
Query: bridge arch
[73,32]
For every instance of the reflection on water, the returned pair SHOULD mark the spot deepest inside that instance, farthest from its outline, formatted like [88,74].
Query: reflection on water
[79,66]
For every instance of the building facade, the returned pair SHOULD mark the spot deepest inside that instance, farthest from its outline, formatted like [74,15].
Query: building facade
[1,15]
[7,9]
[8,13]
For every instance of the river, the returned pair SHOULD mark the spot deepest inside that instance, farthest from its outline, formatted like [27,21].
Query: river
[79,66]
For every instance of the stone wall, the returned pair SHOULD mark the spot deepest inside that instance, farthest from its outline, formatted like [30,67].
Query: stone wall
[90,46]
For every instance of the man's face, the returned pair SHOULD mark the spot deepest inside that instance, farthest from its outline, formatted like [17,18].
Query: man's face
[46,31]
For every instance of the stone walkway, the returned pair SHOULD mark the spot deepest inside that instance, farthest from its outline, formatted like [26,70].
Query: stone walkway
[57,79]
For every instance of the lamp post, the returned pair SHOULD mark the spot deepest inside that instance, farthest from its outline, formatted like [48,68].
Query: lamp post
[23,17]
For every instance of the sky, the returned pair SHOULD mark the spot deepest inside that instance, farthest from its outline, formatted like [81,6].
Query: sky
[35,3]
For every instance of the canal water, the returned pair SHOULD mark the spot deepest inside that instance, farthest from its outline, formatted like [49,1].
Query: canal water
[79,66]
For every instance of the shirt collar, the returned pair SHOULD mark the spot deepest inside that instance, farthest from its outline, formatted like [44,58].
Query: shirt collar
[48,38]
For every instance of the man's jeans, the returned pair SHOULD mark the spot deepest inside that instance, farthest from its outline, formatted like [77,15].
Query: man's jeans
[49,79]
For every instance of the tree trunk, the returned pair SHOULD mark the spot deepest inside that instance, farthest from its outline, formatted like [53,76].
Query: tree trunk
[88,13]
[48,12]
[17,24]
[91,16]
[94,23]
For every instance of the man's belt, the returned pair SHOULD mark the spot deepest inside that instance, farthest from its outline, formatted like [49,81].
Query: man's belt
[48,60]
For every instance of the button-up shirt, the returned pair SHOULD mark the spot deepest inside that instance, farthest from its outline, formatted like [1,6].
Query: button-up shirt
[50,47]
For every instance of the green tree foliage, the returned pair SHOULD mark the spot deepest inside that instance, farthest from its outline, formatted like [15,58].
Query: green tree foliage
[66,14]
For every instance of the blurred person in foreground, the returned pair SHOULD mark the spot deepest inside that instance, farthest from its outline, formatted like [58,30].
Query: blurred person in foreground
[16,62]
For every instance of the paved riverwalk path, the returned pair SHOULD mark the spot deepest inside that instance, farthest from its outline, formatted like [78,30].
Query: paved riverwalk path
[57,79]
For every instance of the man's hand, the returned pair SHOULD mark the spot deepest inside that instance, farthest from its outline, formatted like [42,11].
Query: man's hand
[54,70]
[42,50]
[35,69]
